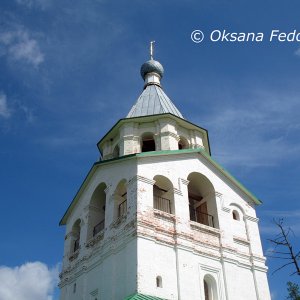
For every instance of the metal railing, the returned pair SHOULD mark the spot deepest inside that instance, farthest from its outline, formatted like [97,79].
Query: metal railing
[99,227]
[202,218]
[162,204]
[122,208]
[76,245]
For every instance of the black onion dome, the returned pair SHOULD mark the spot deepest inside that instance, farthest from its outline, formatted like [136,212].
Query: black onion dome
[152,66]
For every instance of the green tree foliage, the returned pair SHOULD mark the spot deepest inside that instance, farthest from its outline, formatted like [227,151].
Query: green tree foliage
[294,291]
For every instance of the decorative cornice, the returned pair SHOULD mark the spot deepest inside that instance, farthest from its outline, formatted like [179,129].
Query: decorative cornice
[168,133]
[252,219]
[106,191]
[218,194]
[177,191]
[142,179]
[223,207]
[226,209]
[183,181]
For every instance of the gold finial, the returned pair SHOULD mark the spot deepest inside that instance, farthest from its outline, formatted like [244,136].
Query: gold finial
[151,49]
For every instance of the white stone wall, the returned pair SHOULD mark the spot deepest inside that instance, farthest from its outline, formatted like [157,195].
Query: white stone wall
[108,260]
[230,254]
[145,243]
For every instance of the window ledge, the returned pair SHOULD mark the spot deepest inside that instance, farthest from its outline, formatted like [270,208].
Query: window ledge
[118,221]
[241,240]
[202,227]
[164,215]
[94,240]
[74,255]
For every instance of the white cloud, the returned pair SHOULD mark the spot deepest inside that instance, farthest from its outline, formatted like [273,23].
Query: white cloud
[31,281]
[283,213]
[29,115]
[259,131]
[4,111]
[43,4]
[297,52]
[18,44]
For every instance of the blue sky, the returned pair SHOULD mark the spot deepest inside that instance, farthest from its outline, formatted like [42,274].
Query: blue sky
[70,70]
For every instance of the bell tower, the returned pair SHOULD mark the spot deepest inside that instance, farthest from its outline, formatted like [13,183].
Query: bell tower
[157,217]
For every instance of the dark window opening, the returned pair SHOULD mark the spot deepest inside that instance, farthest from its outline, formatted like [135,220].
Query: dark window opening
[235,215]
[148,145]
[76,245]
[159,281]
[206,292]
[183,144]
[116,152]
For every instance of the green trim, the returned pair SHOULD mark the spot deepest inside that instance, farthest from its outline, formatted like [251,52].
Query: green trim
[168,152]
[142,297]
[156,153]
[232,178]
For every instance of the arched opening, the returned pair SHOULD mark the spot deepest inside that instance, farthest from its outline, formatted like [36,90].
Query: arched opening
[163,194]
[148,142]
[183,143]
[116,152]
[235,215]
[238,224]
[120,197]
[97,211]
[202,200]
[159,281]
[75,235]
[210,288]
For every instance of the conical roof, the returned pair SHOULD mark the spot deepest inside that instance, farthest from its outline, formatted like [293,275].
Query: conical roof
[153,101]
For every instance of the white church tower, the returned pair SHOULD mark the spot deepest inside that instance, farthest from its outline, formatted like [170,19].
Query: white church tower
[158,218]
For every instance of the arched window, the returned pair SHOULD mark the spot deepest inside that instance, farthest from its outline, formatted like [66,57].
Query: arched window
[159,281]
[210,288]
[183,143]
[148,142]
[75,242]
[238,224]
[74,288]
[202,200]
[116,152]
[163,195]
[97,211]
[120,196]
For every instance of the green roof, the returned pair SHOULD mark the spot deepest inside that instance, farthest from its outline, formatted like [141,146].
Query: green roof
[142,297]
